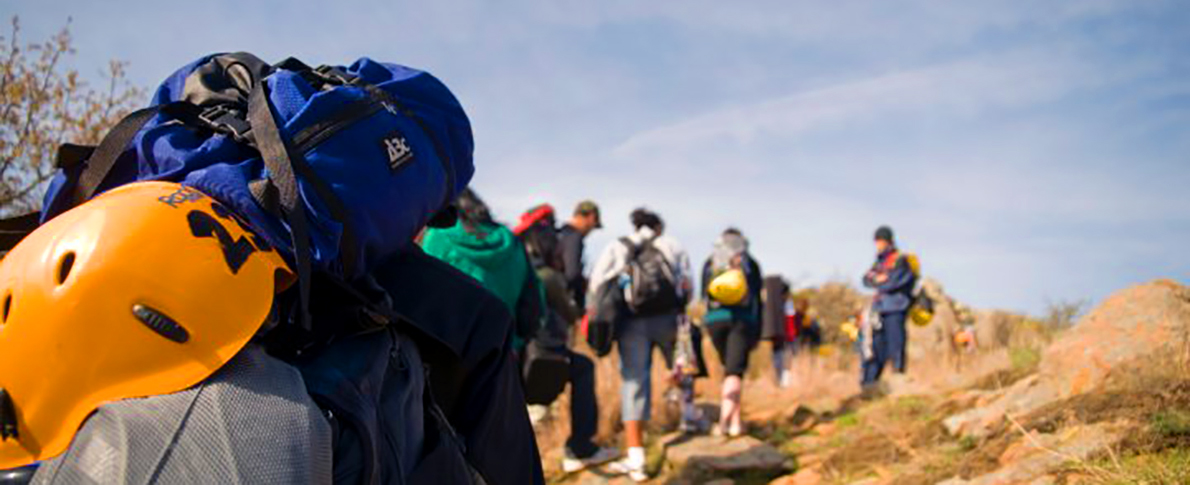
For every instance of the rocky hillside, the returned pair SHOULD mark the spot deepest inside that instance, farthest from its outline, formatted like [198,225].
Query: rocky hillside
[1108,401]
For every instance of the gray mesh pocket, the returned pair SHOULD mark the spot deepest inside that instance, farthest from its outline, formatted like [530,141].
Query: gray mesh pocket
[252,422]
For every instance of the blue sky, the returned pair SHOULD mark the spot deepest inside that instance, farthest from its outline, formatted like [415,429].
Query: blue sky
[1028,151]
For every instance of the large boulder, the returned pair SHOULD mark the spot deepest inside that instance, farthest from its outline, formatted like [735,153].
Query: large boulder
[719,456]
[1149,321]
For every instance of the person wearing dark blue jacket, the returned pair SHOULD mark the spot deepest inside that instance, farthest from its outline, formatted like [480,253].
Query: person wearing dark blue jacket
[893,280]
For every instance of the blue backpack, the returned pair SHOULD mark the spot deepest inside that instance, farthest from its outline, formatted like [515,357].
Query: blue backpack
[338,167]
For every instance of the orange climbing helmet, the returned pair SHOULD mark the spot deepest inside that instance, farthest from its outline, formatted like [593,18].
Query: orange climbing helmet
[147,289]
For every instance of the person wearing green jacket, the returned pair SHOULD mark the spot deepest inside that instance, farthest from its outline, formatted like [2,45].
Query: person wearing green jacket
[489,252]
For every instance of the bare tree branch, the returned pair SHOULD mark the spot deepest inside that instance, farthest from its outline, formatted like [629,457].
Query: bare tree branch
[45,104]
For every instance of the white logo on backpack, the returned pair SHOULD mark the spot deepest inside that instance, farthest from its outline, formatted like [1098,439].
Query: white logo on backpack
[398,149]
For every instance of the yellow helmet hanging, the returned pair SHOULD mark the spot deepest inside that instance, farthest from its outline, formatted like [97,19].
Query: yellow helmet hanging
[147,289]
[729,288]
[920,315]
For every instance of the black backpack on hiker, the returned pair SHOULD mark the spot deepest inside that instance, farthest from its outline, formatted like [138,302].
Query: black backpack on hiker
[609,314]
[653,289]
[546,367]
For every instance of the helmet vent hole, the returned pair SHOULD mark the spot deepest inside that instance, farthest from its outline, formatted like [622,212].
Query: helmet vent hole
[64,266]
[7,307]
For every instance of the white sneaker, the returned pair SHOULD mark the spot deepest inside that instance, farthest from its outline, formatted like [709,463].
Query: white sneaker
[635,471]
[538,413]
[601,456]
[719,431]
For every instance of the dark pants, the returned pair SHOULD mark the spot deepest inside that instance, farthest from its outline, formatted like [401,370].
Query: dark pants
[888,343]
[896,336]
[584,410]
[733,341]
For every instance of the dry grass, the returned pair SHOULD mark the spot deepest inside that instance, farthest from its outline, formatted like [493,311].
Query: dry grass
[900,439]
[833,376]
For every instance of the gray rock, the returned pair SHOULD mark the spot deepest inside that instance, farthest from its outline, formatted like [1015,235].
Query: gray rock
[721,455]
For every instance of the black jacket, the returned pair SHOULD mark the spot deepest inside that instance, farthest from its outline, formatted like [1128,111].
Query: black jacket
[462,331]
[570,250]
[773,324]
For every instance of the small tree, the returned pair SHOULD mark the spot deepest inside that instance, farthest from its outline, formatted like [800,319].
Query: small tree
[1062,314]
[44,104]
[833,303]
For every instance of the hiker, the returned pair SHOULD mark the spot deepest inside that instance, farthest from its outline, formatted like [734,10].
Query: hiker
[489,252]
[773,328]
[807,336]
[278,281]
[894,281]
[543,382]
[653,270]
[731,280]
[583,222]
[964,337]
[804,326]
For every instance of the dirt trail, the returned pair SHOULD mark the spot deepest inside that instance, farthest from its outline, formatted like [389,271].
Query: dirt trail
[1107,401]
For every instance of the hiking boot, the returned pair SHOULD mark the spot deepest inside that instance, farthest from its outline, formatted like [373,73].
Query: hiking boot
[571,464]
[634,470]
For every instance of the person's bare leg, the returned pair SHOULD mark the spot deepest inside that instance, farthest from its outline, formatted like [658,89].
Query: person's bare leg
[633,436]
[737,423]
[729,406]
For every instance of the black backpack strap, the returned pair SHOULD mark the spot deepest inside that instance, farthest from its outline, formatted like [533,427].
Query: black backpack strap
[14,229]
[632,247]
[101,160]
[71,155]
[276,156]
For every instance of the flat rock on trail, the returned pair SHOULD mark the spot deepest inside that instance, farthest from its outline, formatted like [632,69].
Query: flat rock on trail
[717,455]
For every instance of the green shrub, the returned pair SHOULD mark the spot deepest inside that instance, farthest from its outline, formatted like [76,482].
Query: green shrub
[1171,424]
[1024,358]
[847,420]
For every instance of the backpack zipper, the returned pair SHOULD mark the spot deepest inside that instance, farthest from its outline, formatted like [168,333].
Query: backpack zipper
[310,136]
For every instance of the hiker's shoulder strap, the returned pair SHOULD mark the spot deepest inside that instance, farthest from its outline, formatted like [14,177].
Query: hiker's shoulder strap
[648,241]
[632,247]
[101,159]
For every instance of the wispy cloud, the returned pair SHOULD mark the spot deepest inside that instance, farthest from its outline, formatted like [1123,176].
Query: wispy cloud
[963,89]
[1029,150]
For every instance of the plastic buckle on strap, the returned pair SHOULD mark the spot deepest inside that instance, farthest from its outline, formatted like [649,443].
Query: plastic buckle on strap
[335,75]
[228,121]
